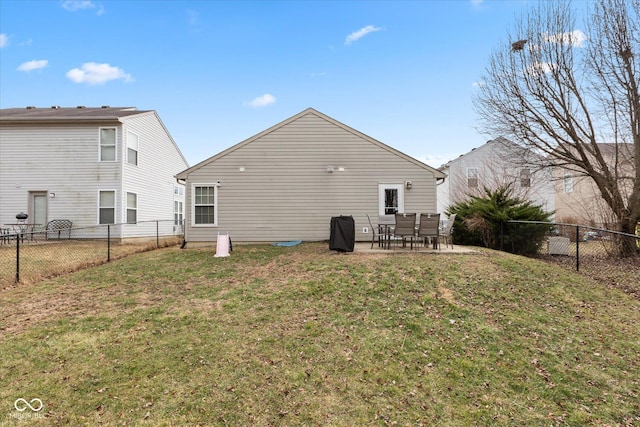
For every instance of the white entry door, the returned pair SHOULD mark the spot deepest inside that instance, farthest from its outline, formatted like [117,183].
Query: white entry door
[38,214]
[391,199]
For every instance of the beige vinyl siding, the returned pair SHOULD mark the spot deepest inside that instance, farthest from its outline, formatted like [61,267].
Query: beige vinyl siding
[57,159]
[286,193]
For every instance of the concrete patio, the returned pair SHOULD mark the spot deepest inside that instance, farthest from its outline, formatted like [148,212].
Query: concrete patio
[365,247]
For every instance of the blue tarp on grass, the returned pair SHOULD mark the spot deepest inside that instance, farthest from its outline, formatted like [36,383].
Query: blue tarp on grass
[290,243]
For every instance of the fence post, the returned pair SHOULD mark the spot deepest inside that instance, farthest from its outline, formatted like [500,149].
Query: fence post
[17,259]
[108,243]
[157,234]
[577,248]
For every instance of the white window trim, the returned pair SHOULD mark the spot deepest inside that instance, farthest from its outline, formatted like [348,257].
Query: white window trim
[115,208]
[126,207]
[215,204]
[525,174]
[567,183]
[137,150]
[475,176]
[382,188]
[180,213]
[100,145]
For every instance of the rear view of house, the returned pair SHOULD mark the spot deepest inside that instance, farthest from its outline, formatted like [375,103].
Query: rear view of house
[287,182]
[91,166]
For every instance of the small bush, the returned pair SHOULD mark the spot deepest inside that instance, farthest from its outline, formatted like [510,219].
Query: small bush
[481,221]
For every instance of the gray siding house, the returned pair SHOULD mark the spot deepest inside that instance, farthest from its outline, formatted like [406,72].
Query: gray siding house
[286,183]
[93,166]
[497,163]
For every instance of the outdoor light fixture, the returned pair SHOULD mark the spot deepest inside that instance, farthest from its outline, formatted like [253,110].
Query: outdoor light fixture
[330,168]
[52,195]
[408,184]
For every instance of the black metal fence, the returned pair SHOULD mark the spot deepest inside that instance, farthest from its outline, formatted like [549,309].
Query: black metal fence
[609,256]
[28,256]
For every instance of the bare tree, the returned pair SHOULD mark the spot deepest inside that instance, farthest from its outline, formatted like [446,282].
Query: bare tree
[563,93]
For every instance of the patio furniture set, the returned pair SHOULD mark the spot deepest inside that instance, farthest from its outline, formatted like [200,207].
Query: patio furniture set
[55,229]
[424,229]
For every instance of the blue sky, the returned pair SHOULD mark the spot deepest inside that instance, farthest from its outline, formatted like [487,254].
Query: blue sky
[218,72]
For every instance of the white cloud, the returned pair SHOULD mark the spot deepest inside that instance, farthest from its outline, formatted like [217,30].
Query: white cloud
[356,35]
[436,160]
[76,5]
[541,68]
[575,38]
[33,65]
[261,101]
[4,40]
[96,74]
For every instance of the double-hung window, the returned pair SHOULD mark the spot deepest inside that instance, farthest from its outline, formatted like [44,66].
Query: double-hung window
[472,177]
[107,144]
[132,208]
[525,177]
[205,197]
[177,212]
[567,183]
[107,207]
[132,148]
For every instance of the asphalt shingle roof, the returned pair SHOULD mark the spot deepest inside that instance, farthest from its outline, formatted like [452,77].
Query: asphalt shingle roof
[66,113]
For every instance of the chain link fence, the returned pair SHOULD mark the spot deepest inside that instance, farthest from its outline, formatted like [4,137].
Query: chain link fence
[608,256]
[29,256]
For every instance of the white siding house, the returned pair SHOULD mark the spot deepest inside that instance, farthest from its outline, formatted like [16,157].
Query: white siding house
[496,163]
[93,166]
[287,182]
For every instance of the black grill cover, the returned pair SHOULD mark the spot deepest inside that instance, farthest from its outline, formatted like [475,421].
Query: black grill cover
[343,234]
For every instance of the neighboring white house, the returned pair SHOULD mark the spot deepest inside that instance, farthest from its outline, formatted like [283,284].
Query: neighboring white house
[287,182]
[496,163]
[93,166]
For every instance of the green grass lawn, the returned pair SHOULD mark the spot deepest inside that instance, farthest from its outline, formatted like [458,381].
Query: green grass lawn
[303,336]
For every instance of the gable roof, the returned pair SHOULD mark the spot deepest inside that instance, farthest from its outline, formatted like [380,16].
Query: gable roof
[185,173]
[60,114]
[506,143]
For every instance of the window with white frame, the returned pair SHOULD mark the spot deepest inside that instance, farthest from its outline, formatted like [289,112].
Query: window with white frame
[525,177]
[107,144]
[132,148]
[205,198]
[178,190]
[472,177]
[107,207]
[568,183]
[178,212]
[132,208]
